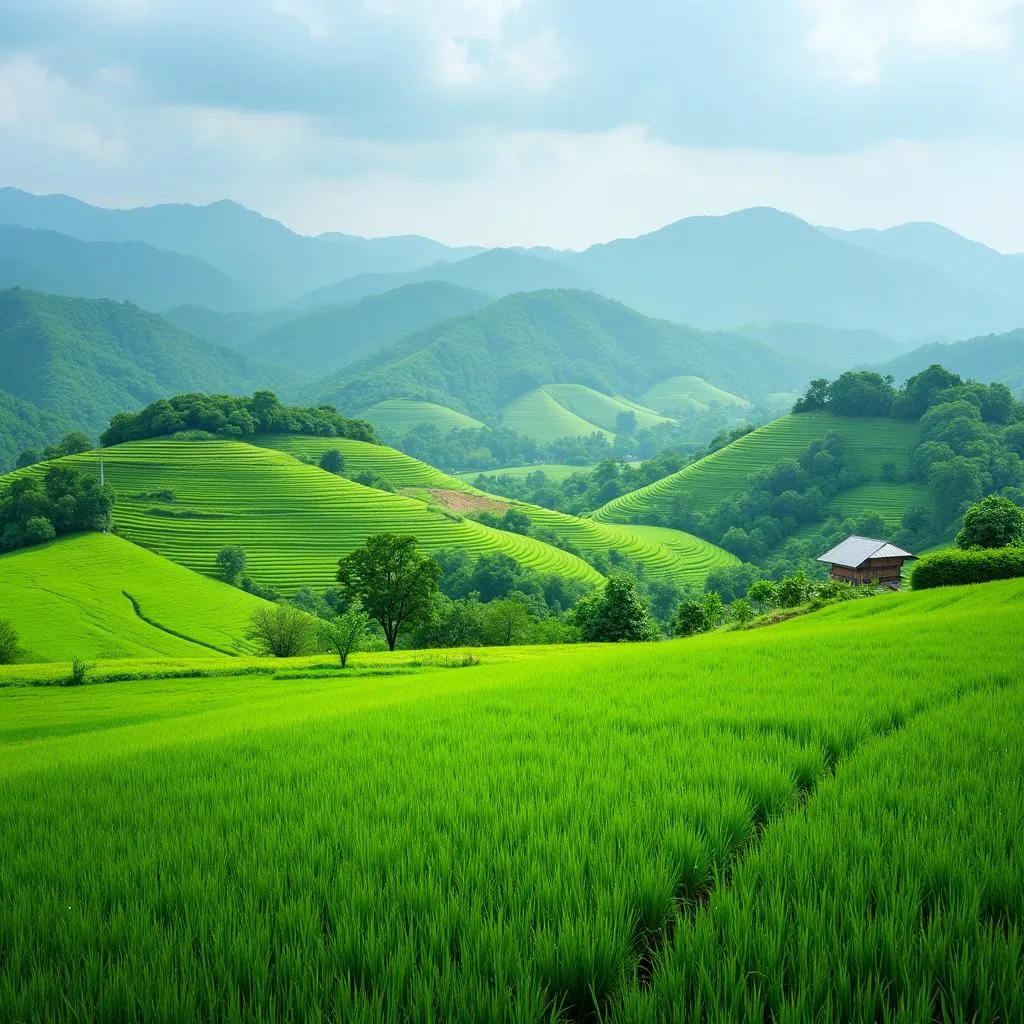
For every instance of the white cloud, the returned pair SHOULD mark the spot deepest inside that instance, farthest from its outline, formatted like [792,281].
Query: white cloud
[852,38]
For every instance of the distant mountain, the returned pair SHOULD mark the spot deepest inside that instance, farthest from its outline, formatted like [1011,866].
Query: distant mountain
[23,426]
[129,271]
[831,349]
[496,272]
[995,357]
[235,330]
[969,264]
[325,341]
[479,362]
[759,266]
[83,360]
[272,262]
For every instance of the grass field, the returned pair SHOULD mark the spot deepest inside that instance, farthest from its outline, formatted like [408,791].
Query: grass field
[539,416]
[869,443]
[295,521]
[730,828]
[83,597]
[601,410]
[400,415]
[689,394]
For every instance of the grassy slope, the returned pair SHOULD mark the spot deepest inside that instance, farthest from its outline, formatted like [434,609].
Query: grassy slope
[400,415]
[870,443]
[67,600]
[541,417]
[553,471]
[601,410]
[294,520]
[685,394]
[496,843]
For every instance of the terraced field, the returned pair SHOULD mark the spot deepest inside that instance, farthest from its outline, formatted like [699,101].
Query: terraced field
[689,394]
[84,597]
[400,415]
[295,521]
[889,500]
[554,472]
[540,417]
[601,410]
[869,442]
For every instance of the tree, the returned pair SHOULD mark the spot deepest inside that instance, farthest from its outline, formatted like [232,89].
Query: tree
[507,621]
[333,461]
[231,563]
[70,444]
[393,582]
[817,396]
[29,457]
[38,530]
[993,522]
[740,611]
[619,614]
[281,631]
[714,610]
[690,619]
[10,649]
[344,633]
[794,590]
[763,595]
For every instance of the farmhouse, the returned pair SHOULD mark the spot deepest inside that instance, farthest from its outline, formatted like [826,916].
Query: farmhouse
[866,560]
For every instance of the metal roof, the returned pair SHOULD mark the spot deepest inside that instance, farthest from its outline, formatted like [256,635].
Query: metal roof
[855,551]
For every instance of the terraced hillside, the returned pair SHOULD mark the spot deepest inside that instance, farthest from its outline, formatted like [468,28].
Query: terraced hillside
[400,415]
[294,520]
[99,596]
[889,500]
[540,417]
[599,409]
[553,471]
[870,443]
[683,394]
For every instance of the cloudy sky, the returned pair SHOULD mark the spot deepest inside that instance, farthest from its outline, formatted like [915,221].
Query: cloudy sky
[558,122]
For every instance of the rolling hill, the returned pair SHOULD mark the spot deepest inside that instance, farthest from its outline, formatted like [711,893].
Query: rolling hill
[683,394]
[325,341]
[126,271]
[98,596]
[232,330]
[833,350]
[397,416]
[273,263]
[496,272]
[481,362]
[759,266]
[294,520]
[716,477]
[997,357]
[541,417]
[83,360]
[24,426]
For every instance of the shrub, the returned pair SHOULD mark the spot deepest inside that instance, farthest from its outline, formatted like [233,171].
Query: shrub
[10,649]
[38,530]
[332,461]
[992,523]
[344,633]
[231,563]
[954,568]
[281,631]
[79,670]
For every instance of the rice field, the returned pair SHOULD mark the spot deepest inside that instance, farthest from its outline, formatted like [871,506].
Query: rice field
[734,827]
[98,596]
[601,410]
[555,472]
[400,415]
[683,394]
[541,417]
[294,520]
[889,500]
[870,443]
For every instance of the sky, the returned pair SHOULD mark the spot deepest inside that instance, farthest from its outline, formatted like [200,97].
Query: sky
[522,122]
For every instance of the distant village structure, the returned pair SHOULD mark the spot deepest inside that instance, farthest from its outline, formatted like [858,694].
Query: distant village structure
[866,560]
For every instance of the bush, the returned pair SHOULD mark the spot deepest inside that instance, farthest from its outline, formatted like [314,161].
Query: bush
[10,649]
[993,522]
[282,631]
[38,530]
[231,563]
[332,461]
[79,670]
[955,568]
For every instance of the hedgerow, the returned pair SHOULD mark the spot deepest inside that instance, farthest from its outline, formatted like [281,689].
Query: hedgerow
[955,568]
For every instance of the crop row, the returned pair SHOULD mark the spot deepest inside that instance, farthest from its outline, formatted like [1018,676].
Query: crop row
[703,484]
[506,845]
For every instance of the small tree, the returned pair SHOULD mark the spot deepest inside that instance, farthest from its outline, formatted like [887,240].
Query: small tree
[690,619]
[507,621]
[344,633]
[993,522]
[740,611]
[714,610]
[620,614]
[794,590]
[333,461]
[281,631]
[231,563]
[763,595]
[391,580]
[38,530]
[10,648]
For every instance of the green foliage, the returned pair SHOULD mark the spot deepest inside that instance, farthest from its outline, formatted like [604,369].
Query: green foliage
[343,634]
[230,417]
[978,565]
[79,673]
[618,614]
[992,523]
[794,590]
[231,563]
[508,620]
[281,631]
[763,595]
[391,580]
[10,645]
[332,461]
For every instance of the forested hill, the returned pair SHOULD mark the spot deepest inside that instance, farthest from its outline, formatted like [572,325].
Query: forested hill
[479,362]
[83,360]
[23,426]
[129,271]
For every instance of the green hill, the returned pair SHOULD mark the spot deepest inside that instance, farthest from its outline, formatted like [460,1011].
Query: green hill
[397,416]
[541,417]
[870,443]
[682,394]
[603,410]
[126,271]
[831,349]
[83,360]
[997,357]
[236,329]
[294,520]
[85,597]
[23,426]
[481,362]
[325,341]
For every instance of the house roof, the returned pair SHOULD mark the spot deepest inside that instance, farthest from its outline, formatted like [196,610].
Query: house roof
[855,551]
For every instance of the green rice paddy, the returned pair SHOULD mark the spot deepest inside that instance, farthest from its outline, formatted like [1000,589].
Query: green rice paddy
[400,415]
[90,596]
[869,442]
[736,827]
[294,520]
[541,417]
[554,472]
[889,500]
